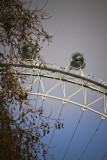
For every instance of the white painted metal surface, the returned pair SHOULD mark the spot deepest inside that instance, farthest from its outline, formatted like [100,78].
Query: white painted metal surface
[76,87]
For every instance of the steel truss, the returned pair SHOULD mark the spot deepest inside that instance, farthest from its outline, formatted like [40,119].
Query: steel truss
[79,84]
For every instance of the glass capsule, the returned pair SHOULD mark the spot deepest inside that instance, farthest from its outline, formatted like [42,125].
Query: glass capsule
[77,61]
[28,51]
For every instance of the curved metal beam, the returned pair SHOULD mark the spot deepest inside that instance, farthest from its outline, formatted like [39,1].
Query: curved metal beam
[55,70]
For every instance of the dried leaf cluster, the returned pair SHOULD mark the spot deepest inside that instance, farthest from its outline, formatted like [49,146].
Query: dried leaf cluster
[21,127]
[19,26]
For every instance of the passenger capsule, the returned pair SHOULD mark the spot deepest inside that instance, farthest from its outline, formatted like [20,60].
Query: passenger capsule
[77,61]
[28,51]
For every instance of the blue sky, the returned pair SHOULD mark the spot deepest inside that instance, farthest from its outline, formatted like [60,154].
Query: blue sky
[80,25]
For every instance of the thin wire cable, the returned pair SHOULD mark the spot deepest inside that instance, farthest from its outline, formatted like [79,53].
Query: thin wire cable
[90,140]
[55,128]
[41,111]
[73,135]
[103,156]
